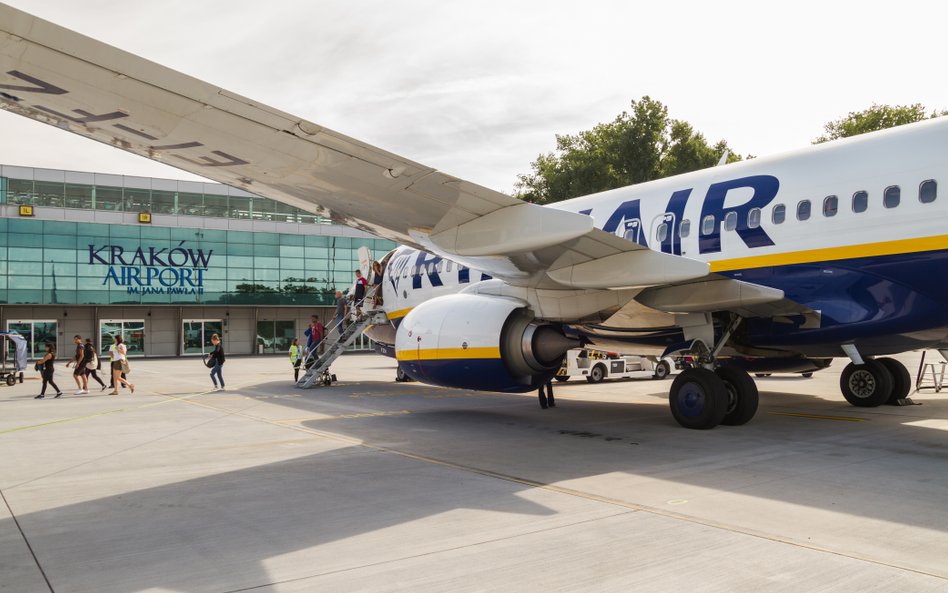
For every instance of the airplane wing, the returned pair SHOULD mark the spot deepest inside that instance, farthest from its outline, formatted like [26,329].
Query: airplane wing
[60,77]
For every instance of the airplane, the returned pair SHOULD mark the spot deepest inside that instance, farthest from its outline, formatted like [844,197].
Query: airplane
[834,250]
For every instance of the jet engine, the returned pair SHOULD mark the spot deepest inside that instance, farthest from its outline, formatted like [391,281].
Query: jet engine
[472,341]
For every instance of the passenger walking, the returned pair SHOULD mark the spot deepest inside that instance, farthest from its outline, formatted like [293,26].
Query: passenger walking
[377,284]
[79,372]
[93,364]
[314,335]
[217,361]
[360,285]
[547,401]
[342,308]
[118,358]
[296,358]
[46,369]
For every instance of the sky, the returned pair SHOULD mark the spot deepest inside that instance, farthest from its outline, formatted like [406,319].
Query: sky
[480,89]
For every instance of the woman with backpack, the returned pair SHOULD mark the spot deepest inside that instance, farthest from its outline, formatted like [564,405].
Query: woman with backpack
[93,364]
[45,366]
[216,361]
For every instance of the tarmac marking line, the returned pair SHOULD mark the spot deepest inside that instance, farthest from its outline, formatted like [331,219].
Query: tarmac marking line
[819,416]
[345,416]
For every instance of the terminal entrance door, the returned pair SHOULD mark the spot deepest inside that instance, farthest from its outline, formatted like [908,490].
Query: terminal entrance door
[131,330]
[197,335]
[36,333]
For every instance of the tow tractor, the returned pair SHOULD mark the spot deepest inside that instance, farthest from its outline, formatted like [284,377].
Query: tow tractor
[597,365]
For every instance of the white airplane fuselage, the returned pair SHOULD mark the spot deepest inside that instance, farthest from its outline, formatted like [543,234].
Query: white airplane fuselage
[856,230]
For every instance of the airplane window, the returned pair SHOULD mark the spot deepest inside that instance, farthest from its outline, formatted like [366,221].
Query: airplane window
[685,229]
[860,201]
[753,218]
[892,196]
[780,214]
[450,263]
[632,229]
[707,225]
[830,206]
[927,191]
[803,210]
[662,232]
[430,269]
[730,221]
[440,266]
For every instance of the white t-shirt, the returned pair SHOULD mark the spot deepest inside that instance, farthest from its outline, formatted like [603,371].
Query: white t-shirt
[117,352]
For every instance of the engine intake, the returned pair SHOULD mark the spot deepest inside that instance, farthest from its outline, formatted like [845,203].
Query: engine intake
[479,342]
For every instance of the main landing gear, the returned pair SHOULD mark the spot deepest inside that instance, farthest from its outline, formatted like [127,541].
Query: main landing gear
[875,382]
[702,398]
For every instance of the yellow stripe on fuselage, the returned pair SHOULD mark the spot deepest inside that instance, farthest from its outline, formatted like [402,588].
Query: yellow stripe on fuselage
[833,253]
[448,353]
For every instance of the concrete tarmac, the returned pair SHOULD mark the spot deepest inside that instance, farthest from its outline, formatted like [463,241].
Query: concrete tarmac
[376,486]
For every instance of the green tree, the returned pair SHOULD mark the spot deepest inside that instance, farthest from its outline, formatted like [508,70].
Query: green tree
[877,117]
[639,145]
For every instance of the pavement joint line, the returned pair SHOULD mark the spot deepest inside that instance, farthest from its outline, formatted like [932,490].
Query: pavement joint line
[26,540]
[433,552]
[820,416]
[585,495]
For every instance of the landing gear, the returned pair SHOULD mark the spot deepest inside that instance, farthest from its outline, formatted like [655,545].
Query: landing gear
[866,385]
[901,380]
[742,395]
[698,399]
[401,376]
[702,399]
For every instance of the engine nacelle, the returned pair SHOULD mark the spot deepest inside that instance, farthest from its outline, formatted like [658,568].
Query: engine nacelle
[471,341]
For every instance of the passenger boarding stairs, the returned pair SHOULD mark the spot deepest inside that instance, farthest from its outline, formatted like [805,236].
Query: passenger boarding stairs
[335,344]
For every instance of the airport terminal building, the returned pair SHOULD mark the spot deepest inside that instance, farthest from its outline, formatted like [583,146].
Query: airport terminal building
[164,263]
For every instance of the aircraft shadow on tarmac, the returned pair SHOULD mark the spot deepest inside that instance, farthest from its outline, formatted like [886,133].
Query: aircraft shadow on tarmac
[234,524]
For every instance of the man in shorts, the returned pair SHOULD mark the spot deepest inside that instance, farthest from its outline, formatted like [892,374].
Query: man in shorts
[79,360]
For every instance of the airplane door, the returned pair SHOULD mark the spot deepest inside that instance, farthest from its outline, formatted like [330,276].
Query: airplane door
[365,261]
[665,233]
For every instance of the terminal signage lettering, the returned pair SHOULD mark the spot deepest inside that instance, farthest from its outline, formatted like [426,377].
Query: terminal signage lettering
[151,270]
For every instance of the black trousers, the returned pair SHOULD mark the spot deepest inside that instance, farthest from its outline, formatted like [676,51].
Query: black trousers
[547,401]
[48,380]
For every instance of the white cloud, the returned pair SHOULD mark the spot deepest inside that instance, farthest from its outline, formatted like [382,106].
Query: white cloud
[478,89]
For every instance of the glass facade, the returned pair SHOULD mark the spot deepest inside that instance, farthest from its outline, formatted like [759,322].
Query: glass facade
[121,193]
[58,262]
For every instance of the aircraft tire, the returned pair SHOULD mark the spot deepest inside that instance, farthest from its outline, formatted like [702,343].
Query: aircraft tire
[401,376]
[806,375]
[662,370]
[596,374]
[698,399]
[866,385]
[743,397]
[901,380]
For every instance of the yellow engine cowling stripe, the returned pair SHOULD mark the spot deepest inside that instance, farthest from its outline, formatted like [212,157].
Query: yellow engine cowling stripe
[448,353]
